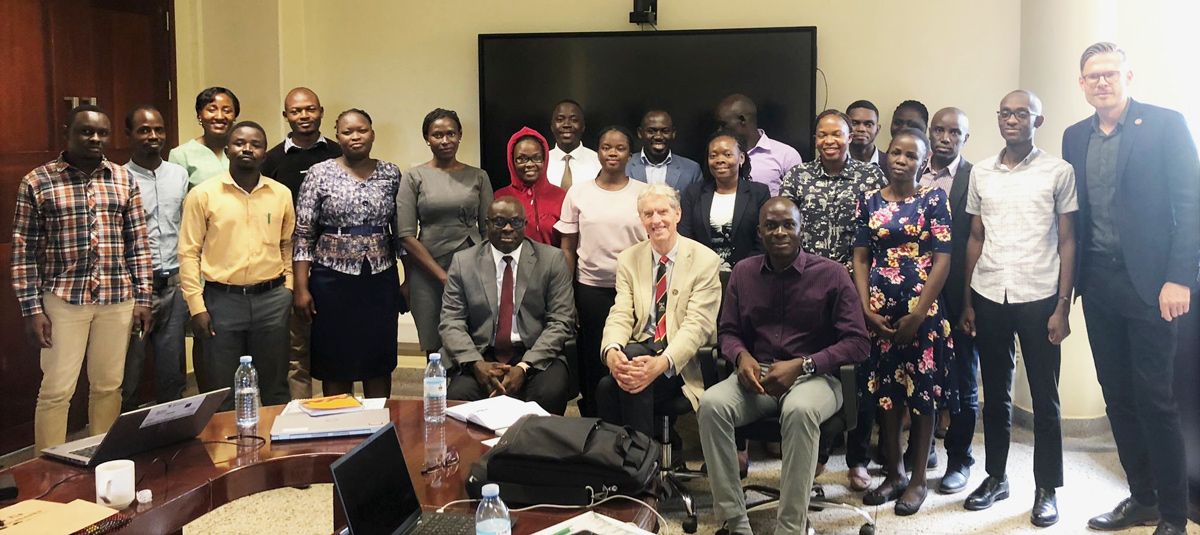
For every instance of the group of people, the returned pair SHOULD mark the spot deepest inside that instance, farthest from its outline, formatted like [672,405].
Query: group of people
[911,263]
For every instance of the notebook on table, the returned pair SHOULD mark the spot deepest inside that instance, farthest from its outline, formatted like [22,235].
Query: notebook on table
[294,423]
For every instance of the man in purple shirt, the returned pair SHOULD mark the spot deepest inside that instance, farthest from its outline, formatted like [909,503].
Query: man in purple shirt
[789,320]
[769,159]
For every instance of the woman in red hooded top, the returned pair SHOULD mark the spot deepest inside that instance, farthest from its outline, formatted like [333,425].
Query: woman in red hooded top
[543,201]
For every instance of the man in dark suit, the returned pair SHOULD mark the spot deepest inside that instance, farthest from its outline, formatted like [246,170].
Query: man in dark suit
[1138,180]
[507,312]
[656,164]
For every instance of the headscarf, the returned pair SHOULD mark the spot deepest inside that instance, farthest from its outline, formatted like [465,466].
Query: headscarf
[542,200]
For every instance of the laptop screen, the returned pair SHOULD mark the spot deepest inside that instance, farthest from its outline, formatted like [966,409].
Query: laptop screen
[373,483]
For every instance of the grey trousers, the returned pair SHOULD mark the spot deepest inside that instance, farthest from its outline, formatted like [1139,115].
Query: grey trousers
[167,337]
[726,406]
[255,325]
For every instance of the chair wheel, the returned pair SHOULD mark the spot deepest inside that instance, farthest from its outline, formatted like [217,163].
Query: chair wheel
[690,524]
[866,529]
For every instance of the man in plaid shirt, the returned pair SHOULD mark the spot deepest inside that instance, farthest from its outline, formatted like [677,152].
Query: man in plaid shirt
[81,271]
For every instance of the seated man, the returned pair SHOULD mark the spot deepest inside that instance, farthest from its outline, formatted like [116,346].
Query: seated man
[507,312]
[668,293]
[790,320]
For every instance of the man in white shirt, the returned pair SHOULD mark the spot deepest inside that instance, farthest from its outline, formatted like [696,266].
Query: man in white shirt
[569,161]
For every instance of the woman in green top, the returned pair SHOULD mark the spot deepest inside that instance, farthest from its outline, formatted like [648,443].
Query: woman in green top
[217,110]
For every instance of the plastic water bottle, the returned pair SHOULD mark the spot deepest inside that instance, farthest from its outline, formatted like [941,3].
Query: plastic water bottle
[435,390]
[492,516]
[245,393]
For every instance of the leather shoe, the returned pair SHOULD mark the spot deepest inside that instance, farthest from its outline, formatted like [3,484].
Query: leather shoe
[990,491]
[1127,514]
[955,479]
[1165,528]
[1045,509]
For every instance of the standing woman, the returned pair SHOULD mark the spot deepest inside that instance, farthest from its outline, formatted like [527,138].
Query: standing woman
[217,109]
[721,211]
[599,220]
[448,201]
[346,283]
[543,201]
[901,259]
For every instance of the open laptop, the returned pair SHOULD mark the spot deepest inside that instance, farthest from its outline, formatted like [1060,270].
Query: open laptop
[299,425]
[379,498]
[143,430]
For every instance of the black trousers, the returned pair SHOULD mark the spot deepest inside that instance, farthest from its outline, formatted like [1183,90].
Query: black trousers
[962,423]
[619,407]
[1134,351]
[547,387]
[995,325]
[592,304]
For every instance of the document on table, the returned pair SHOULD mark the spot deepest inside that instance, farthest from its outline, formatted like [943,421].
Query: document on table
[595,523]
[37,517]
[495,413]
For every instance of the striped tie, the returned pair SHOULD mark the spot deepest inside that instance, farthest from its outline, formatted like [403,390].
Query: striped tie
[660,306]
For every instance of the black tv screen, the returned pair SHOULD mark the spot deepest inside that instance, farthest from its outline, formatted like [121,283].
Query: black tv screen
[618,76]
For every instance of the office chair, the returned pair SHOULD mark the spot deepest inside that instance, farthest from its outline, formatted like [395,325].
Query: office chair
[571,353]
[671,477]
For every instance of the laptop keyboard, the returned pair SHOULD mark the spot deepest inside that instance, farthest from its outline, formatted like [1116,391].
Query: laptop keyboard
[435,524]
[87,452]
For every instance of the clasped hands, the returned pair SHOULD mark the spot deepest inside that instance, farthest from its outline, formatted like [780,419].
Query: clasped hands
[777,379]
[634,374]
[499,379]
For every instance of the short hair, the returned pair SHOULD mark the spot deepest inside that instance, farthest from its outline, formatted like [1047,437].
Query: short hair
[249,124]
[567,101]
[845,118]
[915,105]
[439,113]
[913,132]
[662,191]
[617,128]
[134,111]
[744,170]
[82,108]
[865,104]
[207,96]
[1103,47]
[354,110]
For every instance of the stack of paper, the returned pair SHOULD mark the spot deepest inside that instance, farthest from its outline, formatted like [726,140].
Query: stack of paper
[331,405]
[296,405]
[37,517]
[495,413]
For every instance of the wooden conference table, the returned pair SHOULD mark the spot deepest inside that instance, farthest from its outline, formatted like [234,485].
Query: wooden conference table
[191,478]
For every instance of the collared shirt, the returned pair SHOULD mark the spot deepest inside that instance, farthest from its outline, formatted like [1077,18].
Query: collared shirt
[808,309]
[656,173]
[288,145]
[1101,168]
[162,191]
[200,161]
[671,256]
[289,164]
[941,179]
[1019,208]
[330,199]
[81,237]
[770,160]
[585,165]
[878,159]
[234,237]
[828,204]
[498,258]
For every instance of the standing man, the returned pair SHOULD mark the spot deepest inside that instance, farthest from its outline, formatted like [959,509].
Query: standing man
[163,186]
[770,160]
[288,164]
[910,114]
[570,162]
[1139,185]
[864,128]
[1020,268]
[948,132]
[235,267]
[656,164]
[81,272]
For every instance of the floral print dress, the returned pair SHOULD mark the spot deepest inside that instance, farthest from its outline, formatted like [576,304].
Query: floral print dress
[903,237]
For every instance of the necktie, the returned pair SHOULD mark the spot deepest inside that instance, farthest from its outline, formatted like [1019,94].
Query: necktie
[503,345]
[660,305]
[566,178]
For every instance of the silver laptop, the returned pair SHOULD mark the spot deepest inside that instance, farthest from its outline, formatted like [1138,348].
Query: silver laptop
[299,425]
[143,430]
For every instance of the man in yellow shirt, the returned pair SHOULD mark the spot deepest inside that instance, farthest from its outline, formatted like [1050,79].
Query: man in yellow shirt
[235,267]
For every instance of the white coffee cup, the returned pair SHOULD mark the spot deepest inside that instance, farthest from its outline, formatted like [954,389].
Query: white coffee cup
[115,484]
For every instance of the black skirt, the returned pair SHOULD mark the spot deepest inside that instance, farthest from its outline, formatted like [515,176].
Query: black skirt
[354,330]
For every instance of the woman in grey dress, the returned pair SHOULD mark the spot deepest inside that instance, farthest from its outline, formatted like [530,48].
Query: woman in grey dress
[440,209]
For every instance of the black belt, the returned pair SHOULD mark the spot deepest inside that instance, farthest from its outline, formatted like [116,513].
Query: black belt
[357,230]
[252,289]
[161,282]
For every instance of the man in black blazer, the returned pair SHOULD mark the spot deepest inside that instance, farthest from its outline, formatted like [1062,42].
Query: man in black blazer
[507,312]
[1138,181]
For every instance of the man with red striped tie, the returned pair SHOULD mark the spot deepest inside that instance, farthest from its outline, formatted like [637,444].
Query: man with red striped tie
[668,294]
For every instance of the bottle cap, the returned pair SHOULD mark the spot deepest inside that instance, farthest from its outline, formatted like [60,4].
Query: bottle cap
[491,490]
[145,496]
[435,356]
[246,359]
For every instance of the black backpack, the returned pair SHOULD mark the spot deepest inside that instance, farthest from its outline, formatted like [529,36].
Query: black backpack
[566,461]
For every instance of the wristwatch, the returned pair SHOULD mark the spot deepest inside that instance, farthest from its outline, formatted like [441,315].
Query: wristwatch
[809,366]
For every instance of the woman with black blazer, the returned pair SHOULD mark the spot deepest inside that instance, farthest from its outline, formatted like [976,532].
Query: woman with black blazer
[721,211]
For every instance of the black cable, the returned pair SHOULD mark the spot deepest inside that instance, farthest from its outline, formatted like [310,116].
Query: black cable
[825,81]
[60,482]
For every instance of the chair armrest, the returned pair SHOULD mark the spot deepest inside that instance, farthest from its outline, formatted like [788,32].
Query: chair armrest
[848,375]
[571,354]
[710,360]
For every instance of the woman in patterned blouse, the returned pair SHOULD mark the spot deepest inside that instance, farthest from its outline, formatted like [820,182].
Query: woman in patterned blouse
[346,280]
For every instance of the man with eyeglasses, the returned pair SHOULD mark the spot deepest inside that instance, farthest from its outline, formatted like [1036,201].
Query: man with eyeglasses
[507,312]
[1139,239]
[1019,267]
[656,163]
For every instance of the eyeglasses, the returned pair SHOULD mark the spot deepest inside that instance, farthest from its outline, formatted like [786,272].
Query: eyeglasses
[1111,77]
[1021,115]
[449,460]
[501,222]
[522,160]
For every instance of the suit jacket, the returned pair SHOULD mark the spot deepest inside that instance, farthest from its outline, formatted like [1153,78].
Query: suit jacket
[542,295]
[1157,203]
[681,172]
[693,300]
[960,232]
[697,204]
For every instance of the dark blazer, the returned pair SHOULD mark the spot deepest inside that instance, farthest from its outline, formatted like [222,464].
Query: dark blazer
[960,232]
[1157,200]
[542,294]
[697,204]
[681,172]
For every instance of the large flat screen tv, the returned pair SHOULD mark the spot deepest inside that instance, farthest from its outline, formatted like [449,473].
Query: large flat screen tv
[618,76]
